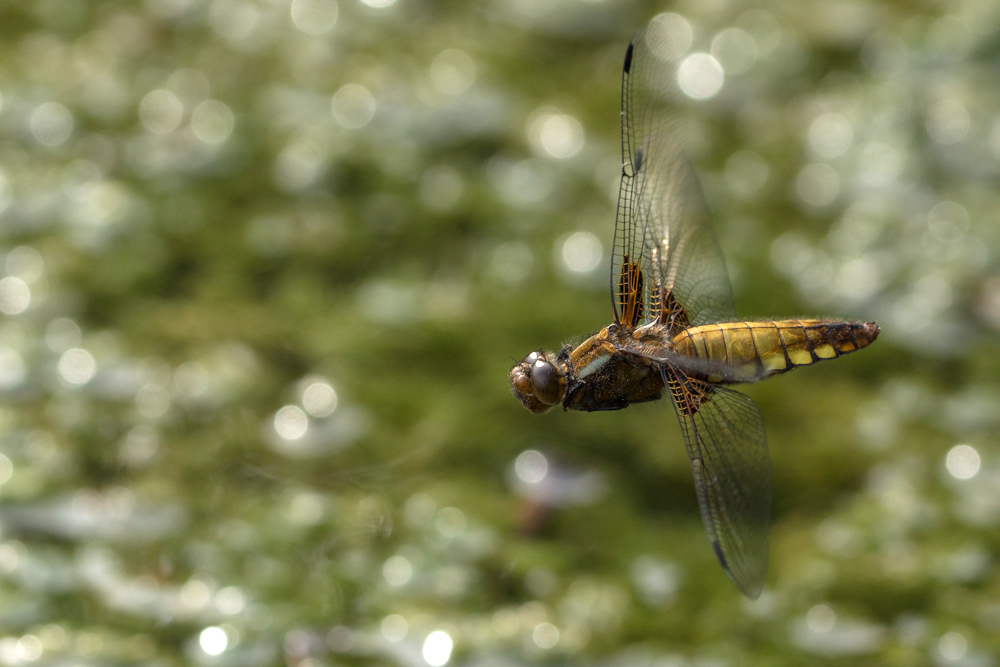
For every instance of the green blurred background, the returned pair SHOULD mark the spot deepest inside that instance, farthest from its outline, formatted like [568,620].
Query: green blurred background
[266,265]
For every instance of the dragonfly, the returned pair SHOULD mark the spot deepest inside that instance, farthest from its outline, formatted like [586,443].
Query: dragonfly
[675,328]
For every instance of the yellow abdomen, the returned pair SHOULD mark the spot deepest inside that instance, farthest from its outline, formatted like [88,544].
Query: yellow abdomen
[774,347]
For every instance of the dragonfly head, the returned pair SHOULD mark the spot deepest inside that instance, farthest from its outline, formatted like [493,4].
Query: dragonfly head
[538,382]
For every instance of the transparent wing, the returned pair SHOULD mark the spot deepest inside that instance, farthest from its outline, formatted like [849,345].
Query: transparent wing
[698,368]
[662,223]
[725,440]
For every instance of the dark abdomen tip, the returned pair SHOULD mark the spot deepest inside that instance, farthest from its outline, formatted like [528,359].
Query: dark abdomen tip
[866,333]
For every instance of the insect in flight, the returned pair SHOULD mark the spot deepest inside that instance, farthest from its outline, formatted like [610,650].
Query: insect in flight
[675,327]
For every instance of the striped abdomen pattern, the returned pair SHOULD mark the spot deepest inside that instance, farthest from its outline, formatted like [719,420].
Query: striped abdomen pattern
[774,347]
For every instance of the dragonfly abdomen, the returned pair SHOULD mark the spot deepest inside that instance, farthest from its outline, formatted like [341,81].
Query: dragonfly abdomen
[774,347]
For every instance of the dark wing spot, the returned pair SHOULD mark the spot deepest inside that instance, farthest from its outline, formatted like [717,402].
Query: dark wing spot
[638,159]
[628,58]
[718,554]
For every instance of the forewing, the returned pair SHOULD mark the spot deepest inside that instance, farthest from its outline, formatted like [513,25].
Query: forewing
[725,440]
[703,369]
[662,222]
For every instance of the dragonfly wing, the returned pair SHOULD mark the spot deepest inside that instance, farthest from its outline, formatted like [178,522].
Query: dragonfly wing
[662,222]
[725,440]
[697,367]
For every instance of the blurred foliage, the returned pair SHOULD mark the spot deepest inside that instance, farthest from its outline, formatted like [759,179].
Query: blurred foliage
[268,262]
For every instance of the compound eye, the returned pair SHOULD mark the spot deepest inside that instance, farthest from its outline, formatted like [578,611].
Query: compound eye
[532,357]
[542,373]
[545,381]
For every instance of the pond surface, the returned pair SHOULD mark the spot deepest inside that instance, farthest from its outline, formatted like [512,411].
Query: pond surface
[266,265]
